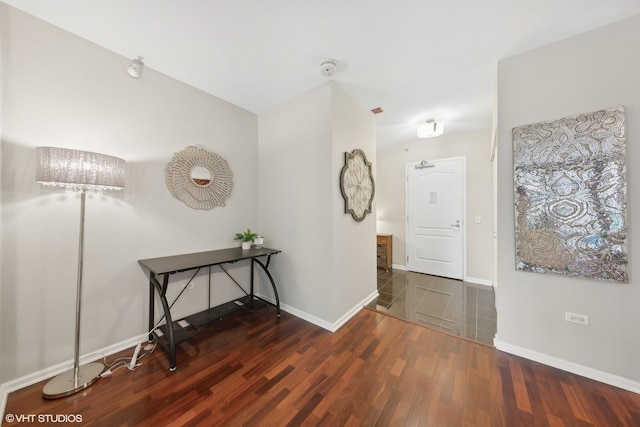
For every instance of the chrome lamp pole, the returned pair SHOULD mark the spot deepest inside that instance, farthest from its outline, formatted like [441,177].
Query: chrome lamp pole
[84,172]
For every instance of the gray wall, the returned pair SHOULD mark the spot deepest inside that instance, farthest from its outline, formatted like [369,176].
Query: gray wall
[60,90]
[586,73]
[328,266]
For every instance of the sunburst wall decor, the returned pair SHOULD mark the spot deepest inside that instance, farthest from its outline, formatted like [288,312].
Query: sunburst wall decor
[199,178]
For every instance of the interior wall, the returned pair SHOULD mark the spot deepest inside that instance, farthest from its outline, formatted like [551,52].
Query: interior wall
[354,248]
[391,199]
[2,352]
[295,169]
[326,268]
[586,73]
[60,90]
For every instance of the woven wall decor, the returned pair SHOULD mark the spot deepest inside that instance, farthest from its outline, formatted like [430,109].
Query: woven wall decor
[199,178]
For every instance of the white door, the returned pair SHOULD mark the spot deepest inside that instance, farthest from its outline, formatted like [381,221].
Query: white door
[435,217]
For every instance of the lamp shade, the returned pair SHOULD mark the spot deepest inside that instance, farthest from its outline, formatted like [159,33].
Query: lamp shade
[79,170]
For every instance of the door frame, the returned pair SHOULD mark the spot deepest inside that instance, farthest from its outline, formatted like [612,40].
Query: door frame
[408,166]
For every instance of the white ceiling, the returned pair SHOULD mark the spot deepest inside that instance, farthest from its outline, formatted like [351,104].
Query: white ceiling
[416,59]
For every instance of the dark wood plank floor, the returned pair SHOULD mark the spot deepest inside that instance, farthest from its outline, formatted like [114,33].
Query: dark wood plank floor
[254,370]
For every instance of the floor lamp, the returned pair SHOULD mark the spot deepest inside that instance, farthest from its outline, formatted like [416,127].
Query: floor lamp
[84,172]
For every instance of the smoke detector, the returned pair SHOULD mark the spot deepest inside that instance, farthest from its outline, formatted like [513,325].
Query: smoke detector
[328,67]
[135,68]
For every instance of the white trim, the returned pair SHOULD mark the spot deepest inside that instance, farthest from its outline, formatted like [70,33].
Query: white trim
[43,374]
[585,371]
[332,327]
[349,314]
[302,315]
[477,281]
[399,267]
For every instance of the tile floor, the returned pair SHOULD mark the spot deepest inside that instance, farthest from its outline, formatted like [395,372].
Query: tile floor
[452,306]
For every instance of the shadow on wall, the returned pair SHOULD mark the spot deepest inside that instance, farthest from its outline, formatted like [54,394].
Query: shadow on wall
[19,188]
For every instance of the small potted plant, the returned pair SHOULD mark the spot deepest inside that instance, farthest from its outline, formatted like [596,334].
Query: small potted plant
[246,238]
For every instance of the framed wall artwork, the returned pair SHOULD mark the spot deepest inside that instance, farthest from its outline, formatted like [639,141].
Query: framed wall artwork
[357,185]
[570,196]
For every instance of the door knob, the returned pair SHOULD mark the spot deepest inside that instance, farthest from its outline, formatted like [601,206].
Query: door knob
[457,224]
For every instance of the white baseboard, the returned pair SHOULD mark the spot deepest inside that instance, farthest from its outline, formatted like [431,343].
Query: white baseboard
[332,327]
[399,267]
[29,379]
[348,315]
[484,282]
[301,314]
[574,368]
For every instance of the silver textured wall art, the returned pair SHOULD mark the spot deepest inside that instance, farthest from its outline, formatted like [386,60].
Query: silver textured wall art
[200,178]
[570,191]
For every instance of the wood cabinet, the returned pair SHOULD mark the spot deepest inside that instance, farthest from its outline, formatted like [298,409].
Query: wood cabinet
[384,250]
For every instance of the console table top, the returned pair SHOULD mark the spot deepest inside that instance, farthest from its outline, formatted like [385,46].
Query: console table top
[176,263]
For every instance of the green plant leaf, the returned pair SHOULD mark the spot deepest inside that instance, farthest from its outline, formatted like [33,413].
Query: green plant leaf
[247,236]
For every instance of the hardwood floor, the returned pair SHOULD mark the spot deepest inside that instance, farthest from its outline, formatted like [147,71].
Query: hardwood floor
[254,370]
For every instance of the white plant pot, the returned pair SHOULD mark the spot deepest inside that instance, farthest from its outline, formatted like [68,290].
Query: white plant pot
[246,245]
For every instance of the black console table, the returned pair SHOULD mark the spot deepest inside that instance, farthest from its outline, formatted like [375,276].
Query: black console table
[173,333]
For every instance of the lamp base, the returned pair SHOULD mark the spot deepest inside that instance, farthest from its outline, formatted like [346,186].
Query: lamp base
[65,384]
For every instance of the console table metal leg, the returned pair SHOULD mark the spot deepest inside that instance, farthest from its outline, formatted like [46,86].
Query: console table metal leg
[273,283]
[162,293]
[151,306]
[251,280]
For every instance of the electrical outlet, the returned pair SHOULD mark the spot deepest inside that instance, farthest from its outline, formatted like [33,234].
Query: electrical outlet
[581,319]
[478,219]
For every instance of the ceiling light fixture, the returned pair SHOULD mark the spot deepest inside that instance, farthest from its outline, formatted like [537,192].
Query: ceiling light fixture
[135,68]
[430,129]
